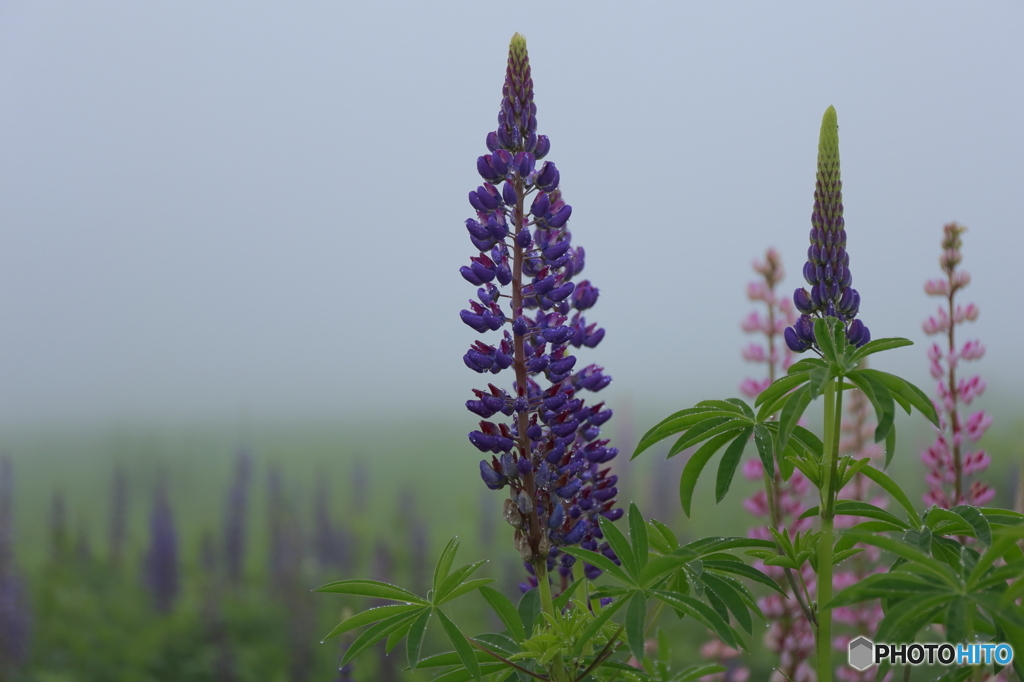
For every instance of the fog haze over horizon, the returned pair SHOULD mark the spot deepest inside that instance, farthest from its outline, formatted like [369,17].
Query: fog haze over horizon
[226,211]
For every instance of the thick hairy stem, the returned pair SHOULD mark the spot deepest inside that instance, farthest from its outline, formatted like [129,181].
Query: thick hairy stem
[830,461]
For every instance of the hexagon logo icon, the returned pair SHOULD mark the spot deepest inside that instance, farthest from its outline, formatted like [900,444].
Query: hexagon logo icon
[862,653]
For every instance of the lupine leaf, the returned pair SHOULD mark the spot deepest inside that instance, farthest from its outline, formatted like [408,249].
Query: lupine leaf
[900,625]
[852,470]
[696,464]
[414,643]
[464,674]
[375,633]
[702,613]
[845,554]
[1003,540]
[922,539]
[765,449]
[744,408]
[396,636]
[880,396]
[806,365]
[562,600]
[781,386]
[529,608]
[369,616]
[449,658]
[899,548]
[823,336]
[791,413]
[444,563]
[897,584]
[974,518]
[908,391]
[464,588]
[636,612]
[957,620]
[498,643]
[889,485]
[698,672]
[857,508]
[730,461]
[599,561]
[601,617]
[620,545]
[638,536]
[818,378]
[371,588]
[705,546]
[879,345]
[461,644]
[731,599]
[680,421]
[726,405]
[704,431]
[454,580]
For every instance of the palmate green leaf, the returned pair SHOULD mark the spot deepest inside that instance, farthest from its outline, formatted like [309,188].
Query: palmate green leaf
[372,588]
[702,613]
[638,536]
[444,563]
[636,613]
[881,399]
[705,430]
[680,421]
[376,633]
[729,405]
[414,640]
[1004,538]
[855,508]
[744,408]
[658,567]
[730,598]
[877,346]
[823,336]
[369,616]
[907,391]
[450,658]
[464,674]
[506,612]
[465,588]
[706,546]
[599,561]
[696,464]
[771,399]
[765,449]
[977,521]
[461,644]
[697,672]
[1002,517]
[396,636]
[791,413]
[620,545]
[934,567]
[662,539]
[454,580]
[730,461]
[845,554]
[903,623]
[529,609]
[959,619]
[896,584]
[922,539]
[817,382]
[889,485]
[602,614]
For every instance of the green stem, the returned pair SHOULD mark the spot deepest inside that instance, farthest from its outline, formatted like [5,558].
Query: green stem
[830,462]
[547,605]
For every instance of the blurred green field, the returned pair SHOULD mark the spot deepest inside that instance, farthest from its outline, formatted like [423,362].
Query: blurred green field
[383,481]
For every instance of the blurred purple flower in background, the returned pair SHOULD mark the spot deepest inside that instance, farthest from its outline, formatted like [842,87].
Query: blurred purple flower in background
[236,517]
[160,565]
[950,467]
[15,606]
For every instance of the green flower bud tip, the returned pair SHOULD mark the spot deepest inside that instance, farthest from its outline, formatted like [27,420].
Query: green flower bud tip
[517,47]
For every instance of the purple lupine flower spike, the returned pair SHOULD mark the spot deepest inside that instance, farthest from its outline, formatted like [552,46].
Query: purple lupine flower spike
[827,269]
[549,451]
[161,563]
[15,607]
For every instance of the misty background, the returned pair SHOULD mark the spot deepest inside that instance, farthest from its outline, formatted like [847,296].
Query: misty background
[224,212]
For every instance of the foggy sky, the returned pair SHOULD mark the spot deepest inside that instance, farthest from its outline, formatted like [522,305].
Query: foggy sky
[213,209]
